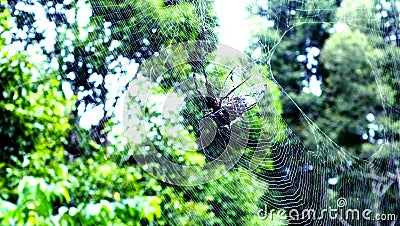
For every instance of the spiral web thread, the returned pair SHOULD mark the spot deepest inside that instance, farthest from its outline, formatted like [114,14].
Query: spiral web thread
[289,175]
[277,170]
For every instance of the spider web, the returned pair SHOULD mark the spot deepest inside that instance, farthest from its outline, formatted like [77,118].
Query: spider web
[272,168]
[294,177]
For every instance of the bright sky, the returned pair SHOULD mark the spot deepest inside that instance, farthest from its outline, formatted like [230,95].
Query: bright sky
[234,29]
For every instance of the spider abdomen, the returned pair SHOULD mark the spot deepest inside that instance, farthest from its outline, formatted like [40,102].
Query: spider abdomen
[237,107]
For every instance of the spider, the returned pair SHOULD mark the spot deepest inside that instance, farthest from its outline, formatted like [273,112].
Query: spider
[223,115]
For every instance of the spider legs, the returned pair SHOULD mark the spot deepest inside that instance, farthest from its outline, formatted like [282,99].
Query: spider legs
[230,75]
[233,90]
[250,107]
[207,112]
[210,90]
[196,86]
[209,87]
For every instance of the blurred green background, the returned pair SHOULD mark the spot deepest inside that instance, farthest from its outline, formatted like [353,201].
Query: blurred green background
[65,67]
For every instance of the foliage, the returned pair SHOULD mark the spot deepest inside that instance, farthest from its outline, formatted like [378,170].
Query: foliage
[57,172]
[355,58]
[39,185]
